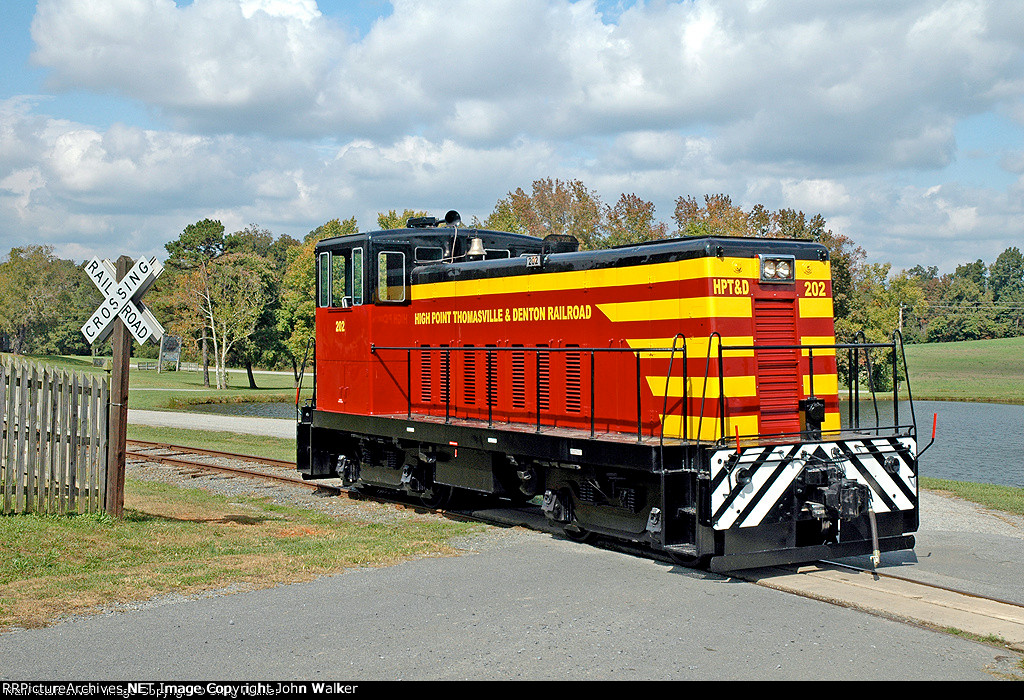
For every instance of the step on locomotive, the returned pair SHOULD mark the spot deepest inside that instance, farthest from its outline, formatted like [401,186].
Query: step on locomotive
[681,395]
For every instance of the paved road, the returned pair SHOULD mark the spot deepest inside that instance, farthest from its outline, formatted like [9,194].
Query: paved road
[274,427]
[521,606]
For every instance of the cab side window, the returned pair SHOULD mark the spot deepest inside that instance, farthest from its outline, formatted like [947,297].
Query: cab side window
[323,280]
[390,277]
[357,276]
[340,278]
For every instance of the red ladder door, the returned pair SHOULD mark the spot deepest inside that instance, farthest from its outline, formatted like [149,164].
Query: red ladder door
[778,378]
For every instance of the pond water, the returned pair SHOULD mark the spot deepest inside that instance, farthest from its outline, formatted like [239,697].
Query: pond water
[979,442]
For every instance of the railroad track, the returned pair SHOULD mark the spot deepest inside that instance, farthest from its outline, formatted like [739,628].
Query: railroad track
[262,468]
[875,591]
[899,598]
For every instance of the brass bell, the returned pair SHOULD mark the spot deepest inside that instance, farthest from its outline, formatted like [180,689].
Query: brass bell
[476,248]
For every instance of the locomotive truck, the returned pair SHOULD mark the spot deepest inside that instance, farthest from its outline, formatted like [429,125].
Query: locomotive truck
[681,395]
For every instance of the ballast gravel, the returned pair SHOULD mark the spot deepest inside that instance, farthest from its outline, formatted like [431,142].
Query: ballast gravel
[321,501]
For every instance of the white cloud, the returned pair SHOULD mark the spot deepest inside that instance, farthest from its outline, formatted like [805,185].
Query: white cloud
[302,10]
[816,195]
[878,82]
[824,107]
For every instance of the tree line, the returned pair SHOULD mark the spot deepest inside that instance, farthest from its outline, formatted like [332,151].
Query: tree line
[247,298]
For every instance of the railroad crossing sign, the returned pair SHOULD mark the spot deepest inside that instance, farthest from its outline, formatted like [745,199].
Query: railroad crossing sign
[122,300]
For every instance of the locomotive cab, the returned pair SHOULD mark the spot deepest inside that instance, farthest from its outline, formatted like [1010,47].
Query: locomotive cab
[680,394]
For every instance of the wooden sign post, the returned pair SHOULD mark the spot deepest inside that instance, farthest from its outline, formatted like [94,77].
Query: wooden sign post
[121,286]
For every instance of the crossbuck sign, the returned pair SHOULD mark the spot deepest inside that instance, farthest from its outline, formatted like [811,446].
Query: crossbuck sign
[122,300]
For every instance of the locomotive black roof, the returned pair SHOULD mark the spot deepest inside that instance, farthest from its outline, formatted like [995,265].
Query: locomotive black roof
[646,253]
[521,245]
[430,237]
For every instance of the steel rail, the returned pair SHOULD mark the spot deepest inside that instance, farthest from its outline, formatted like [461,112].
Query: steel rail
[214,453]
[178,461]
[904,579]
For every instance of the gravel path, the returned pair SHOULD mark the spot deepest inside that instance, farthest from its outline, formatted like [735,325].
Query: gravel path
[278,493]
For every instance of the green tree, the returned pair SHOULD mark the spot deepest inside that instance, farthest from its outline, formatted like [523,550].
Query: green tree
[1006,281]
[879,301]
[631,220]
[503,218]
[44,301]
[265,345]
[230,296]
[78,297]
[1006,275]
[191,256]
[297,313]
[717,216]
[198,244]
[975,272]
[965,310]
[392,219]
[554,206]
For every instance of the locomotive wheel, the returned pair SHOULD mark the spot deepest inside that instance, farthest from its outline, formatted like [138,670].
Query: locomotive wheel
[685,560]
[577,534]
[437,496]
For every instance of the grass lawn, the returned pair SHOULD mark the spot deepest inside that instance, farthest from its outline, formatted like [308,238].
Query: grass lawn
[238,443]
[187,541]
[979,370]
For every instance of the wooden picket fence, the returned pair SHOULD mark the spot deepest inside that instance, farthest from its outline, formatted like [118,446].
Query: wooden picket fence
[53,445]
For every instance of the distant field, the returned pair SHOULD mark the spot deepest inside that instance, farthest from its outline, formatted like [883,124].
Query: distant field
[977,370]
[176,391]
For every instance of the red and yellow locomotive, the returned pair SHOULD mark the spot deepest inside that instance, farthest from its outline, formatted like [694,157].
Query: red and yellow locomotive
[681,394]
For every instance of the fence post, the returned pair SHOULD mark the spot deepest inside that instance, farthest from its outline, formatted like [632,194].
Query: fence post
[20,492]
[7,420]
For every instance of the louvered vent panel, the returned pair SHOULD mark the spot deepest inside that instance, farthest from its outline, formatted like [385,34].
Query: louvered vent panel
[445,379]
[518,379]
[426,360]
[469,376]
[492,377]
[572,382]
[544,380]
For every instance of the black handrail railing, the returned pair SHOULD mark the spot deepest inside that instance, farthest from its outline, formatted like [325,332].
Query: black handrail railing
[538,351]
[854,350]
[853,383]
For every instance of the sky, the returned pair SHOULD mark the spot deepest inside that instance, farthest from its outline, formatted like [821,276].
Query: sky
[123,121]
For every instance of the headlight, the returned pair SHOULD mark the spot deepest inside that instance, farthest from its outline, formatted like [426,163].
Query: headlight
[777,269]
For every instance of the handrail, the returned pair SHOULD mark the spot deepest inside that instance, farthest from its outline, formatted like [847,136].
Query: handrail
[856,347]
[704,389]
[871,376]
[906,371]
[446,349]
[668,379]
[302,374]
